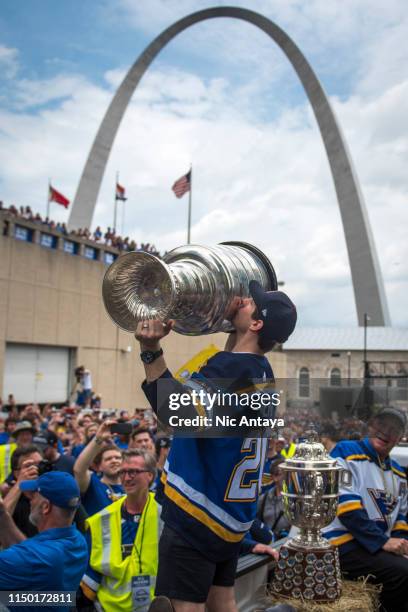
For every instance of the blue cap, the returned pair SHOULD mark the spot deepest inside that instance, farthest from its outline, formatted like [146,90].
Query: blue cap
[60,488]
[277,312]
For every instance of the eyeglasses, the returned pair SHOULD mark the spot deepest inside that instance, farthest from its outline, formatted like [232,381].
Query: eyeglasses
[132,472]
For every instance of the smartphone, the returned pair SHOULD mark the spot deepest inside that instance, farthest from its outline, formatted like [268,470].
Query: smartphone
[121,428]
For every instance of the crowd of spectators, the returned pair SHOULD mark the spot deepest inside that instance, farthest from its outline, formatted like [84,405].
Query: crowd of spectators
[78,439]
[108,237]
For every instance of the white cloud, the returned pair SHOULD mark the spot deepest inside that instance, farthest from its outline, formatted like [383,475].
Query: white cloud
[28,93]
[8,61]
[258,176]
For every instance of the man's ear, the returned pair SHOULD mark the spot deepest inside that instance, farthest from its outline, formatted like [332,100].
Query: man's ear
[256,325]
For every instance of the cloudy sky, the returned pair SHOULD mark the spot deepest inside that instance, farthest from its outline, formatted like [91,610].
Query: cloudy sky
[223,97]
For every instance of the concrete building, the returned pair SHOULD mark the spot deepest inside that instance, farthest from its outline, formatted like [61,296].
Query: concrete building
[52,319]
[323,358]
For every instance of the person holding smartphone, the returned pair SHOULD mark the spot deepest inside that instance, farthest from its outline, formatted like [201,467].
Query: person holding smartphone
[103,486]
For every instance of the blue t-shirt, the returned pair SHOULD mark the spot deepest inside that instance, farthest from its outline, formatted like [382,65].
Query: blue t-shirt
[54,560]
[99,495]
[77,450]
[4,437]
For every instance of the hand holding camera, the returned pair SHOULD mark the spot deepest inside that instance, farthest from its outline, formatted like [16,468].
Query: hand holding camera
[28,471]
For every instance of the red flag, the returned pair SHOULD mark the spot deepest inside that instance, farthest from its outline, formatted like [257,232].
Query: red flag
[56,196]
[182,185]
[120,192]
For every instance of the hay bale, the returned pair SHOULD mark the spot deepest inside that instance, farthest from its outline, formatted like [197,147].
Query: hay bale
[357,596]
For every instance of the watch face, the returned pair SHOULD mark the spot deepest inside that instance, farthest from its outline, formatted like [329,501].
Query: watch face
[147,356]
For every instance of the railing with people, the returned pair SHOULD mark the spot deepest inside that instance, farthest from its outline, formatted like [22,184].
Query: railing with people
[97,246]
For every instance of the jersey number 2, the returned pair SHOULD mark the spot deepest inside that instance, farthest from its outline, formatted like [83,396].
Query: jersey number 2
[241,487]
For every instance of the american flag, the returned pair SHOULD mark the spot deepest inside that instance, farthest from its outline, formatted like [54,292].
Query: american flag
[120,193]
[182,185]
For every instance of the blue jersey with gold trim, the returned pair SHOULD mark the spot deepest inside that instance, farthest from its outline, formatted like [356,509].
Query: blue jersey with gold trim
[211,484]
[373,498]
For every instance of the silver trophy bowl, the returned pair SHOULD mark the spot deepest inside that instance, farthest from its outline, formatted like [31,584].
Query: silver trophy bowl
[310,492]
[308,566]
[197,286]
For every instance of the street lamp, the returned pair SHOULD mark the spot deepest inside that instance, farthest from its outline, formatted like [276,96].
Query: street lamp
[348,367]
[366,320]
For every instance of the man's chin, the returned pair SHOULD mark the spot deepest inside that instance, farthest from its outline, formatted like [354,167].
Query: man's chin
[382,447]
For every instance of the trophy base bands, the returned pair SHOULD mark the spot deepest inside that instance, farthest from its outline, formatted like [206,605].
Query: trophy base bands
[37,598]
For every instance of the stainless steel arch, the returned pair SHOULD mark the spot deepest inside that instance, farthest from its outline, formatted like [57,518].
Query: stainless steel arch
[365,270]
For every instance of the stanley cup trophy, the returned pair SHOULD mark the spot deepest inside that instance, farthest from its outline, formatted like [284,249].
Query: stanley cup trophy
[308,566]
[196,286]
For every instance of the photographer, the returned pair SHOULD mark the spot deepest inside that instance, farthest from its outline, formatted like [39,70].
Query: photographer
[84,393]
[47,442]
[98,492]
[26,464]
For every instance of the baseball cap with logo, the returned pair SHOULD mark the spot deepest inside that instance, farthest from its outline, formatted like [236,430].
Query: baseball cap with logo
[277,312]
[60,488]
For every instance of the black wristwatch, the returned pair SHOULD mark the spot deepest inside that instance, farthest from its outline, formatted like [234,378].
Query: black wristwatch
[150,356]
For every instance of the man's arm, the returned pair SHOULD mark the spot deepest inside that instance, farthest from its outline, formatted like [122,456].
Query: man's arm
[160,385]
[82,472]
[149,338]
[9,532]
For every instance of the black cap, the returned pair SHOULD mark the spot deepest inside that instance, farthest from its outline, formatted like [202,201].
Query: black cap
[45,438]
[277,312]
[393,413]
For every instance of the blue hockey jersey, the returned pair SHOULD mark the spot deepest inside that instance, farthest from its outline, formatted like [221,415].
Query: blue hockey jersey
[211,484]
[373,499]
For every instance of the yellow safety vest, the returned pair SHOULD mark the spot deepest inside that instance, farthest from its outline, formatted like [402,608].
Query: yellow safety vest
[115,591]
[288,453]
[6,451]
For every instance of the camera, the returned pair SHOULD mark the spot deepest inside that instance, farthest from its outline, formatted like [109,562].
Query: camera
[78,373]
[44,466]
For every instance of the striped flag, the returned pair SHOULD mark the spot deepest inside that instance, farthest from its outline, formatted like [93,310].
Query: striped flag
[182,185]
[120,193]
[56,196]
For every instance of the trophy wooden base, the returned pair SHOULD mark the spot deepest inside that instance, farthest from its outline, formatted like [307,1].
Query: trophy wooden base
[310,574]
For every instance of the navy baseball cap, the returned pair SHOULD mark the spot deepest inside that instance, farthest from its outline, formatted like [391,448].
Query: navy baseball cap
[46,438]
[277,312]
[60,488]
[393,413]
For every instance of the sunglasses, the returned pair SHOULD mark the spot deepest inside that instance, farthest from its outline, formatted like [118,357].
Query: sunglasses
[132,472]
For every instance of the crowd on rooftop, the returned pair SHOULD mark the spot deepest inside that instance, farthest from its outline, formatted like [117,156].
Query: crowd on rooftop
[108,237]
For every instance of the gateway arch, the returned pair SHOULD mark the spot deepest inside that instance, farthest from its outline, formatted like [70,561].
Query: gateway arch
[365,270]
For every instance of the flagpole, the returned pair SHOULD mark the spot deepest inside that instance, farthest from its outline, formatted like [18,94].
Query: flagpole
[123,216]
[48,198]
[189,205]
[116,203]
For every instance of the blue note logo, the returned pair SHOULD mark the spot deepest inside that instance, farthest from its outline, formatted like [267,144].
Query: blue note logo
[384,502]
